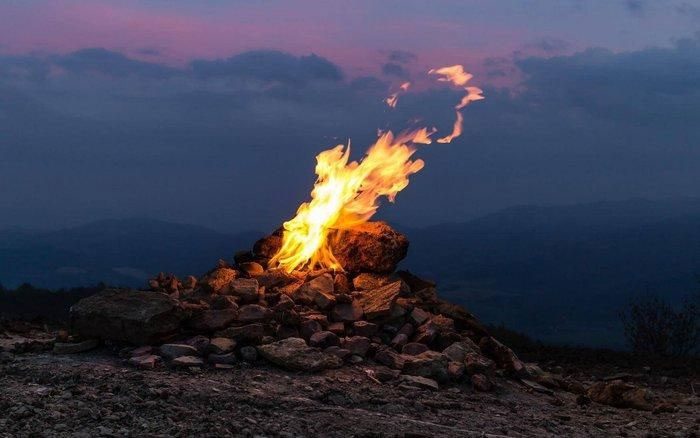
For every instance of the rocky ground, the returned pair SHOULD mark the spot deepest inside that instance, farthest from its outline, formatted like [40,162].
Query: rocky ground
[98,394]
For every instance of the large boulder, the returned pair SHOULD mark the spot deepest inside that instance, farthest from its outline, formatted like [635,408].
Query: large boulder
[369,247]
[294,354]
[126,315]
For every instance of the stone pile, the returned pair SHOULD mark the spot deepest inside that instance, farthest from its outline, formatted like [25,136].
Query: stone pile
[307,320]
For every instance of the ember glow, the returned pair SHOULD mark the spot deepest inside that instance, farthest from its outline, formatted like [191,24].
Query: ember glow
[347,193]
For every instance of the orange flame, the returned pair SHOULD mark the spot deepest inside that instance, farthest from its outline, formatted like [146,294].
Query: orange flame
[393,99]
[347,193]
[456,75]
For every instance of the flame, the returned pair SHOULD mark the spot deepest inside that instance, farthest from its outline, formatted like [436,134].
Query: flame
[393,99]
[347,193]
[456,75]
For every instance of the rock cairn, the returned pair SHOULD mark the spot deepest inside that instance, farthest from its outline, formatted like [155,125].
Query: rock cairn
[306,321]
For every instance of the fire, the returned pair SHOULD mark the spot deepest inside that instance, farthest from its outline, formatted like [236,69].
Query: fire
[459,77]
[393,99]
[347,193]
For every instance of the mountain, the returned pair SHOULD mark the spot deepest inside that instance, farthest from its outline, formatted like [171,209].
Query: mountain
[563,273]
[119,252]
[557,273]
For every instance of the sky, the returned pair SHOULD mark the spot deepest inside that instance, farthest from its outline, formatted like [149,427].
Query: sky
[212,112]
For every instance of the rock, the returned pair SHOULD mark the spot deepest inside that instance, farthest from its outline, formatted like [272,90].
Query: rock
[347,312]
[221,345]
[458,351]
[141,351]
[187,362]
[416,284]
[378,302]
[199,342]
[481,383]
[534,386]
[389,358]
[341,284]
[308,292]
[285,331]
[418,316]
[145,362]
[253,269]
[249,354]
[324,339]
[384,374]
[463,320]
[212,319]
[131,316]
[275,278]
[285,303]
[342,353]
[294,354]
[74,347]
[504,356]
[337,327]
[358,345]
[399,341]
[619,394]
[369,281]
[171,351]
[365,328]
[248,333]
[222,302]
[420,382]
[268,246]
[222,359]
[369,247]
[414,348]
[455,370]
[427,364]
[254,313]
[244,289]
[218,280]
[309,327]
[664,407]
[478,364]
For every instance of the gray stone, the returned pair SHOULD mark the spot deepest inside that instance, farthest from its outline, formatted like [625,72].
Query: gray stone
[187,361]
[421,382]
[212,319]
[223,359]
[294,354]
[131,316]
[74,347]
[221,345]
[249,354]
[171,351]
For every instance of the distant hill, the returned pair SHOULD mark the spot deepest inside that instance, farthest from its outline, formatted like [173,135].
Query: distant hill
[118,252]
[558,273]
[562,273]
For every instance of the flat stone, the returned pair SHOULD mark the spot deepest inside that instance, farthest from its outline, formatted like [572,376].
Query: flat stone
[414,348]
[294,354]
[378,302]
[421,382]
[365,328]
[620,394]
[75,347]
[224,359]
[428,364]
[249,332]
[370,281]
[418,316]
[212,319]
[347,312]
[337,327]
[504,356]
[275,278]
[478,364]
[136,317]
[245,289]
[389,358]
[187,361]
[324,339]
[171,351]
[146,361]
[308,292]
[221,345]
[342,353]
[358,345]
[141,351]
[458,351]
[254,313]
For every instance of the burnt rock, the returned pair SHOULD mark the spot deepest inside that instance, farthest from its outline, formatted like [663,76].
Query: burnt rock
[358,345]
[369,281]
[414,348]
[253,269]
[276,278]
[337,327]
[504,356]
[378,302]
[268,246]
[294,354]
[324,339]
[365,328]
[620,394]
[369,247]
[212,319]
[320,286]
[341,284]
[427,364]
[246,333]
[244,289]
[131,316]
[221,345]
[218,280]
[171,351]
[347,312]
[254,313]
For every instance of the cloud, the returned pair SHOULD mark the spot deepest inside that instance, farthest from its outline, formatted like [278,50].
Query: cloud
[688,10]
[269,65]
[636,7]
[549,45]
[99,60]
[401,56]
[392,69]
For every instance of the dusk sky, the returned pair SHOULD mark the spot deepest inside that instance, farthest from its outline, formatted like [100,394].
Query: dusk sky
[211,112]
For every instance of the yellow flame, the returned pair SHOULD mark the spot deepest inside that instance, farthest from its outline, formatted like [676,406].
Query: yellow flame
[456,75]
[347,193]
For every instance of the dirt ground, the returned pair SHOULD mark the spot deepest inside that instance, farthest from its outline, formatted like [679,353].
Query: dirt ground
[97,394]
